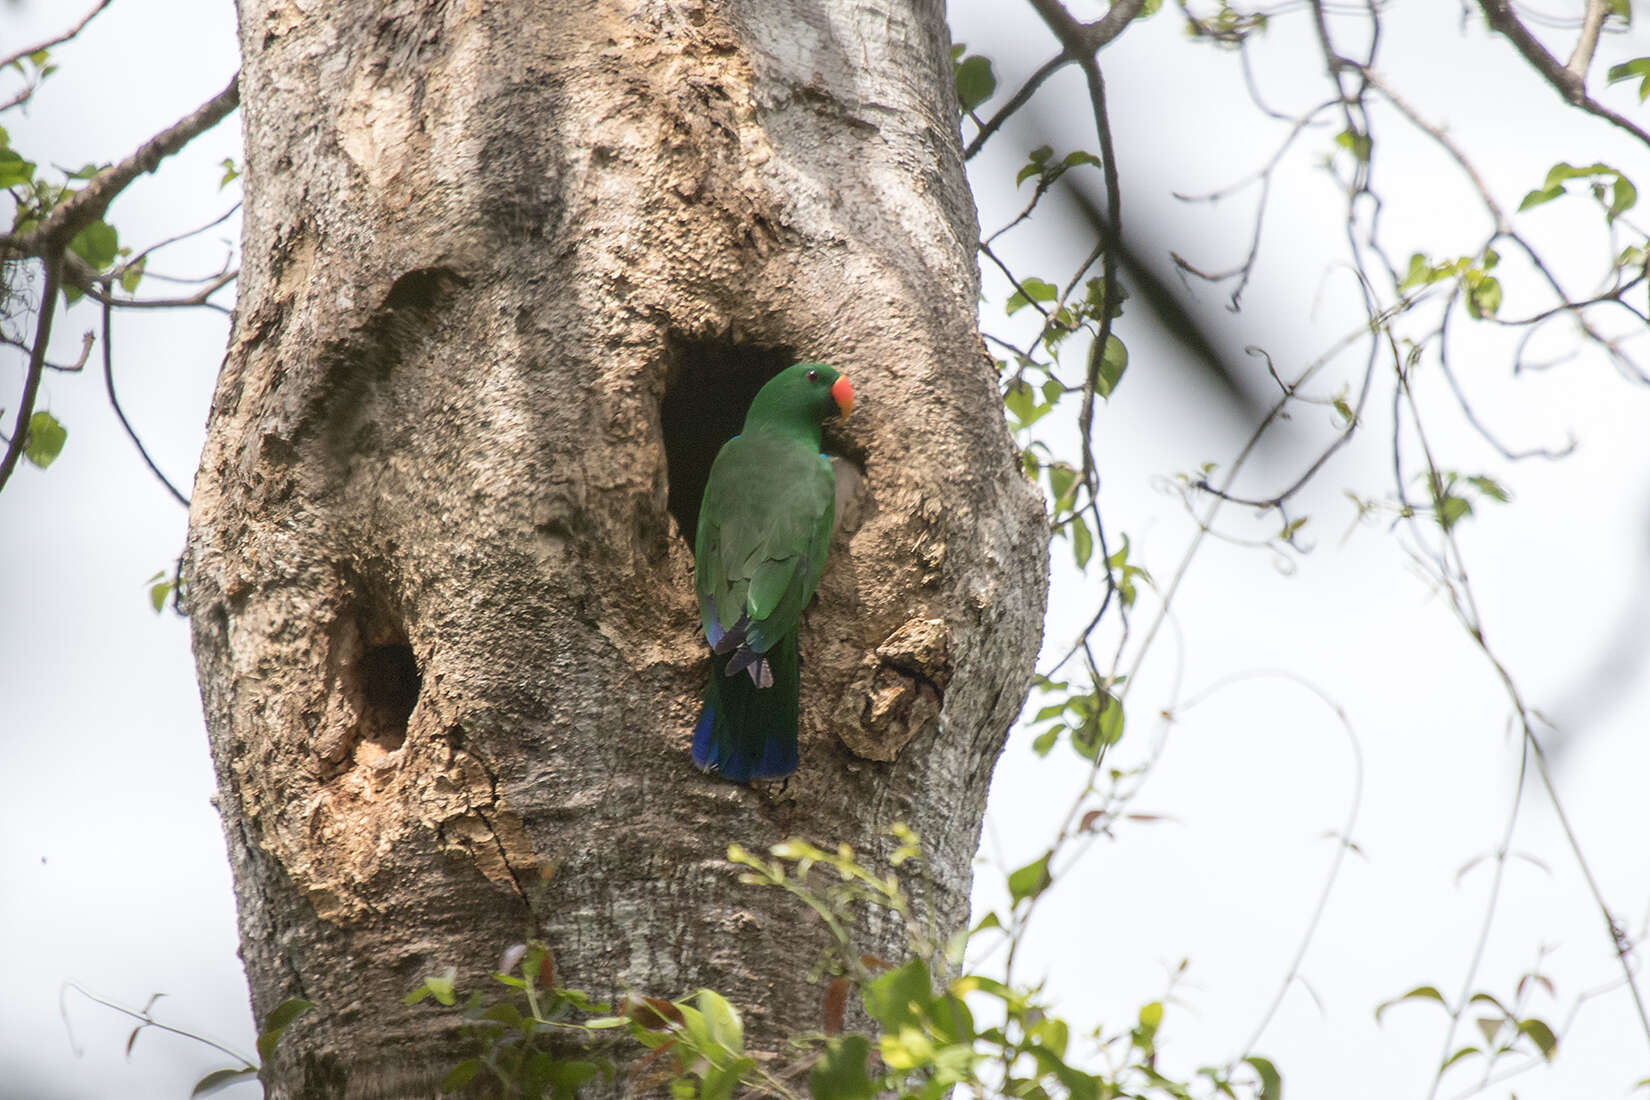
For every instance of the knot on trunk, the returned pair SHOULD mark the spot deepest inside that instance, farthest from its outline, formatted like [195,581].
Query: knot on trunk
[899,692]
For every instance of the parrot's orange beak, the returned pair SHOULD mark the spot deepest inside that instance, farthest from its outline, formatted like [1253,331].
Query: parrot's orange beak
[842,392]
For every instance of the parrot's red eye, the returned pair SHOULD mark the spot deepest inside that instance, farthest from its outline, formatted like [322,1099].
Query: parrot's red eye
[813,375]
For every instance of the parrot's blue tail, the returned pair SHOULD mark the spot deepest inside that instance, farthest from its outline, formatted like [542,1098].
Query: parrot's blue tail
[747,732]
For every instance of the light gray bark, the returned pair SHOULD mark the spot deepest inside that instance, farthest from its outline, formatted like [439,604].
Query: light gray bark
[485,244]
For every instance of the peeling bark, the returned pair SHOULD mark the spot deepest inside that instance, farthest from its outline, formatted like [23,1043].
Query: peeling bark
[511,272]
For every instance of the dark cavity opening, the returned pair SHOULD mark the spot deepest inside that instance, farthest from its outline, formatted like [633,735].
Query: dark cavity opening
[389,681]
[710,389]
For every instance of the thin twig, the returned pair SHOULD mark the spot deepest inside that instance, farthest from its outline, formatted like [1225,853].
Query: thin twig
[114,402]
[1581,59]
[148,1021]
[37,362]
[1015,102]
[97,293]
[158,245]
[1568,84]
[87,339]
[60,39]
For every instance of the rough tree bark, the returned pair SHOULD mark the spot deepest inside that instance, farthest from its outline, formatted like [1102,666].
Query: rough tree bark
[511,272]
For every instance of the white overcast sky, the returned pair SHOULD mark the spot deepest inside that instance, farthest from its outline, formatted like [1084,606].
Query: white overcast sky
[112,869]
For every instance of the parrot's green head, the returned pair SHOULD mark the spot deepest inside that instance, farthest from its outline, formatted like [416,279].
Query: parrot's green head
[803,396]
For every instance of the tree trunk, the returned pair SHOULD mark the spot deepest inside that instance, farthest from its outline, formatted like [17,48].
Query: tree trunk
[511,274]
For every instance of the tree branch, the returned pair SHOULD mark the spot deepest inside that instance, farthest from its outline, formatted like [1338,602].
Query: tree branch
[89,203]
[60,39]
[1582,56]
[37,363]
[1568,83]
[1019,99]
[1083,39]
[97,293]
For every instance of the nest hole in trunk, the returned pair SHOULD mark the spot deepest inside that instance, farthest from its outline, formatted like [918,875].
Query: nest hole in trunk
[711,384]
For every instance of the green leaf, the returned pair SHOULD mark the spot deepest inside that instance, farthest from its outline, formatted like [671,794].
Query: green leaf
[565,1078]
[1355,143]
[1418,273]
[1020,399]
[439,986]
[953,1064]
[1082,543]
[1030,880]
[721,1021]
[1639,67]
[461,1075]
[1452,509]
[1031,290]
[230,173]
[720,1082]
[1102,725]
[1046,740]
[1150,1019]
[975,82]
[1488,999]
[277,1021]
[840,1072]
[989,921]
[503,1012]
[951,1019]
[906,1049]
[1464,1052]
[14,170]
[1536,198]
[1113,362]
[1541,1035]
[1062,481]
[1483,296]
[899,997]
[1489,487]
[44,439]
[220,1079]
[1623,195]
[132,274]
[1036,164]
[1419,993]
[1271,1081]
[98,244]
[287,1011]
[1052,1034]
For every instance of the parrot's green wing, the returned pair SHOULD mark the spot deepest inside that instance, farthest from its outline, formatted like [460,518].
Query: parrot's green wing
[764,528]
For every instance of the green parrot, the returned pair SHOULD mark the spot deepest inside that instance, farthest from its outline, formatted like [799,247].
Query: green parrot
[764,528]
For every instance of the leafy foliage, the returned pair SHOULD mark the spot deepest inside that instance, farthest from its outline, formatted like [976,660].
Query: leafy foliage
[932,1035]
[45,439]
